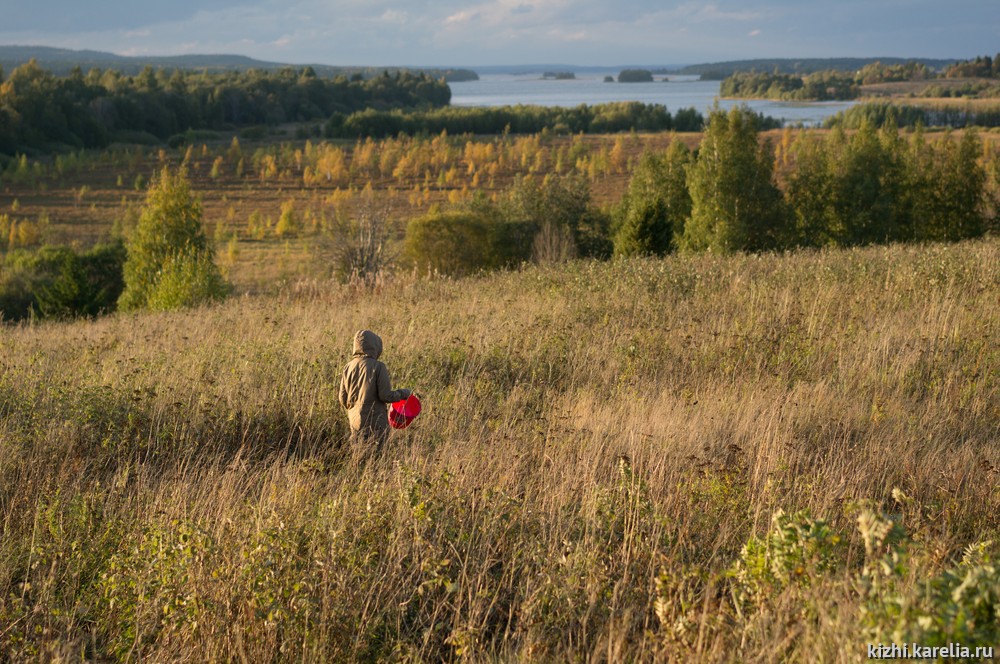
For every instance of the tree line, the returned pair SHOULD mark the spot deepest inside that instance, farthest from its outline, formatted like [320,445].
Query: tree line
[734,193]
[737,193]
[606,118]
[820,86]
[982,66]
[878,113]
[41,112]
[800,66]
[835,84]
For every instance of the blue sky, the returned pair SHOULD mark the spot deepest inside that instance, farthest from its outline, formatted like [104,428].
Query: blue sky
[484,32]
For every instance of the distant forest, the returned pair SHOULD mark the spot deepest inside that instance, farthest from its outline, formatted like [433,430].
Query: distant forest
[606,118]
[832,84]
[720,70]
[43,112]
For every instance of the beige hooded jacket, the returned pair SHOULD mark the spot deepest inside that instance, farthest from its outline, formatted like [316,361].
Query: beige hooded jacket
[365,388]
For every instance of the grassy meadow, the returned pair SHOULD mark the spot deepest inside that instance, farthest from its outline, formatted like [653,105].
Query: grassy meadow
[699,458]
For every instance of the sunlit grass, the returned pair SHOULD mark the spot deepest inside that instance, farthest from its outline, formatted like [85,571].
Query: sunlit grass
[598,444]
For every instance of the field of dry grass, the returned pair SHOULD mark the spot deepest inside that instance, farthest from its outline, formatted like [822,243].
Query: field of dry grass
[752,458]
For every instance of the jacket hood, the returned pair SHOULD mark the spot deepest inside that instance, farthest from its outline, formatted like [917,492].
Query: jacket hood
[368,344]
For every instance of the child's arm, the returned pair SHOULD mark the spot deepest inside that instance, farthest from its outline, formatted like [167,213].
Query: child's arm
[385,392]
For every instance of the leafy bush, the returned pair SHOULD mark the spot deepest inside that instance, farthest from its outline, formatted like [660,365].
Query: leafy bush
[57,282]
[450,243]
[961,604]
[795,553]
[544,215]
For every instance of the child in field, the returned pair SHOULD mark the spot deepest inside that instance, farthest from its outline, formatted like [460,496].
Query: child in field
[366,392]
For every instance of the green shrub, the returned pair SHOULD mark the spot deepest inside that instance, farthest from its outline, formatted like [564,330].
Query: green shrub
[960,605]
[88,284]
[451,243]
[532,213]
[795,553]
[57,282]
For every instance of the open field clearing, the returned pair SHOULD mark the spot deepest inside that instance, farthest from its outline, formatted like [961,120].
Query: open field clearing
[752,458]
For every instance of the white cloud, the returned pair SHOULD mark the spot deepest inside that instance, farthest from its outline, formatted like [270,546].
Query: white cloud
[461,17]
[753,33]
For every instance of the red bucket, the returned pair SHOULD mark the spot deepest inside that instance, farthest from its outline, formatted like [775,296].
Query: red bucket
[401,413]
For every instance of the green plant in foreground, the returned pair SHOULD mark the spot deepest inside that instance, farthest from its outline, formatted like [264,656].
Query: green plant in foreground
[795,553]
[959,605]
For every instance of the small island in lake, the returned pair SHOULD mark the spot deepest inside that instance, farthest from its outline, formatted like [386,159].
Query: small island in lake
[635,76]
[559,76]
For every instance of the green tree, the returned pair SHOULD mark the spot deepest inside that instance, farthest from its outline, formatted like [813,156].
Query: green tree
[169,244]
[735,204]
[653,211]
[635,76]
[868,176]
[950,204]
[563,205]
[809,190]
[992,194]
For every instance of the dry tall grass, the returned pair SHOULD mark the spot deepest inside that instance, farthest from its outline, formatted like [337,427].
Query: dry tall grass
[599,441]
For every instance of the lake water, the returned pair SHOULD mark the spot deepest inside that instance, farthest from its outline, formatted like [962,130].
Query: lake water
[674,92]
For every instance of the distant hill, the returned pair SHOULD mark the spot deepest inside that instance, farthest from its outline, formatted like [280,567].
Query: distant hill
[720,70]
[61,61]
